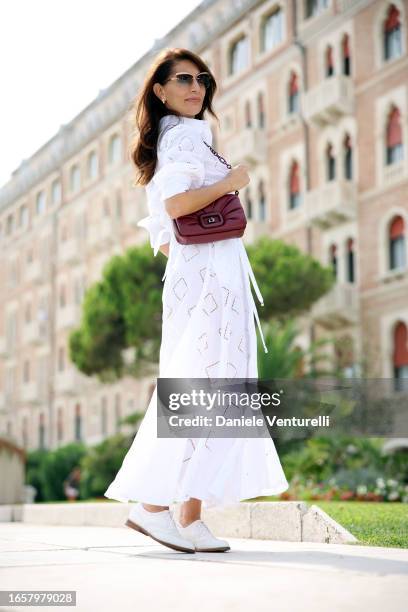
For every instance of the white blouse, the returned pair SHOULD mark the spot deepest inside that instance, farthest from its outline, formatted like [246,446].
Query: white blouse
[184,162]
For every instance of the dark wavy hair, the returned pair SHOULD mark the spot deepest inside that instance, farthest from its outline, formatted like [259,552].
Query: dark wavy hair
[147,110]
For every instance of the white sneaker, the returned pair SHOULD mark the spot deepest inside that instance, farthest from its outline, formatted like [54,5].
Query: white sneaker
[158,525]
[201,537]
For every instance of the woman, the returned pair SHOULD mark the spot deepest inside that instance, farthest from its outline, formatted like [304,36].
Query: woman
[208,325]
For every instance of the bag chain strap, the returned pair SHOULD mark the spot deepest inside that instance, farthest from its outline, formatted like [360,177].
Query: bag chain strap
[222,160]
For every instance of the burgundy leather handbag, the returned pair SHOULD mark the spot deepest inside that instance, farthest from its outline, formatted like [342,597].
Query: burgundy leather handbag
[223,218]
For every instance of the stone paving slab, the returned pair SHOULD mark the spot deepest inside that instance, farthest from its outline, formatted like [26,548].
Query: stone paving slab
[118,568]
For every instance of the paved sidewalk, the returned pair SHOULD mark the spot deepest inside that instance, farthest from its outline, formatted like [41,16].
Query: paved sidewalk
[118,568]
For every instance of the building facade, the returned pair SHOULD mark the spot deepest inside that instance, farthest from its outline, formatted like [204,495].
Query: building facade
[313,95]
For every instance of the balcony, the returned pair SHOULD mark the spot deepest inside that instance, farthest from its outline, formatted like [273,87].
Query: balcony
[103,234]
[332,204]
[337,308]
[33,272]
[254,230]
[29,393]
[68,316]
[69,252]
[249,146]
[35,332]
[3,347]
[68,382]
[332,99]
[2,402]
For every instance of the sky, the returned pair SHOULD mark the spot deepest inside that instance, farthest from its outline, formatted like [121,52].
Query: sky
[56,56]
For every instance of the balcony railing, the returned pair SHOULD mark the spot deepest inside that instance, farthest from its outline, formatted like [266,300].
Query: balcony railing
[250,146]
[29,393]
[68,316]
[339,307]
[68,382]
[69,251]
[35,332]
[334,203]
[331,99]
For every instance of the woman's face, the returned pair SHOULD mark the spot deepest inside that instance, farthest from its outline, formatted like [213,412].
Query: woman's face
[186,99]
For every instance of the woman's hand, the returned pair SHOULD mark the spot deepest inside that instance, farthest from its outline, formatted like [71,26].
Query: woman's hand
[238,177]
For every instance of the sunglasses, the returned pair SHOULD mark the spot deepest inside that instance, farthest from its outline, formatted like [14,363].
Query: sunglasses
[204,79]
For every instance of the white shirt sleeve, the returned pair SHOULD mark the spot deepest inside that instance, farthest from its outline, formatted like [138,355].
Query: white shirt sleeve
[180,161]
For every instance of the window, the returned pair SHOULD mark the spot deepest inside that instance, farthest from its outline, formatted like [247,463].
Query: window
[400,356]
[262,204]
[56,192]
[348,158]
[248,115]
[62,297]
[78,423]
[26,371]
[394,137]
[23,217]
[114,150]
[93,165]
[239,55]
[397,243]
[314,7]
[24,432]
[294,186]
[392,34]
[333,258]
[41,431]
[345,52]
[272,30]
[118,198]
[350,261]
[75,178]
[9,225]
[261,109]
[248,204]
[40,203]
[27,313]
[293,98]
[104,416]
[60,425]
[329,62]
[330,164]
[118,411]
[61,359]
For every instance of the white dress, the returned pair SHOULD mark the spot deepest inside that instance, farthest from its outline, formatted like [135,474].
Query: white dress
[208,331]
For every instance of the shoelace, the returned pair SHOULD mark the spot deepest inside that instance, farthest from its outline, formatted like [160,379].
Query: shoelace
[202,527]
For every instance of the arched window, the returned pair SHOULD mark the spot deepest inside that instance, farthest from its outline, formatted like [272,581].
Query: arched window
[261,199]
[114,149]
[333,258]
[293,98]
[248,204]
[272,30]
[260,109]
[329,62]
[75,178]
[41,431]
[350,261]
[104,416]
[60,425]
[118,411]
[397,243]
[394,137]
[314,7]
[92,165]
[400,355]
[248,115]
[330,163]
[239,55]
[294,186]
[345,53]
[78,422]
[392,34]
[345,355]
[24,432]
[348,158]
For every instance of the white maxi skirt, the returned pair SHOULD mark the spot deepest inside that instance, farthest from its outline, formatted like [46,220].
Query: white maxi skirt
[208,331]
